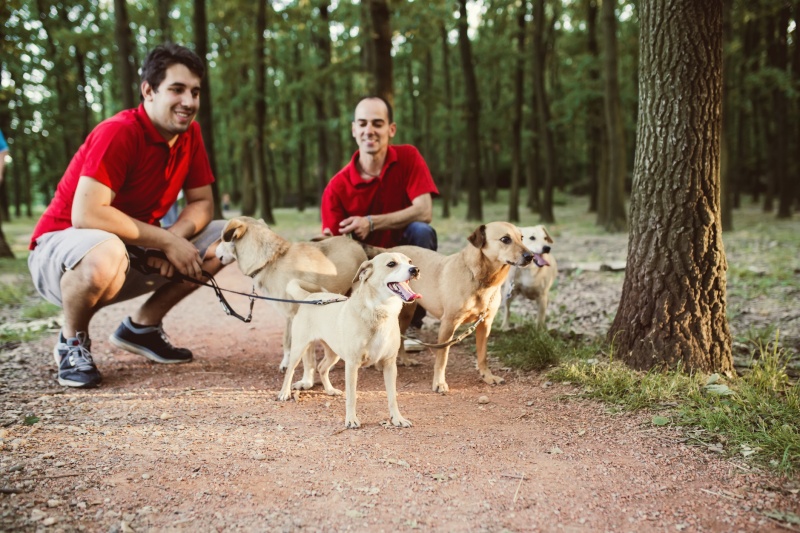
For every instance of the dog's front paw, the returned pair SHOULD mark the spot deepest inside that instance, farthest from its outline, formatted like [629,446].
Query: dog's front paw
[352,423]
[401,422]
[333,392]
[491,379]
[302,385]
[441,387]
[283,396]
[284,362]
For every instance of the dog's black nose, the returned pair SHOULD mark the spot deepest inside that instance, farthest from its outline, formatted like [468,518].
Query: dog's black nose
[414,271]
[545,249]
[527,257]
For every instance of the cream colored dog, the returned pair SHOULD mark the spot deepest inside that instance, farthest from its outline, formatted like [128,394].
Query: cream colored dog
[272,262]
[533,283]
[459,288]
[363,331]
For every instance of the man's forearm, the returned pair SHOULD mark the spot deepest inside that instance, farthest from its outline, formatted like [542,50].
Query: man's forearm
[193,218]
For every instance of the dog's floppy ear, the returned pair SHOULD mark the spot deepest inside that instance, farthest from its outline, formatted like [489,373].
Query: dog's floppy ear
[547,236]
[478,237]
[234,229]
[364,271]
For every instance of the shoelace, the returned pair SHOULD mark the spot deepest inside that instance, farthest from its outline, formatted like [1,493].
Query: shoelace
[79,356]
[164,335]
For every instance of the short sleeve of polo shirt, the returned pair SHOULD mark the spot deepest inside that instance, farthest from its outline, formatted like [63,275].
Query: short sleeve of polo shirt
[420,180]
[110,151]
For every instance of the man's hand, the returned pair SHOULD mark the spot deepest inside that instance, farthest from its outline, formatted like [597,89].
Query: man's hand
[357,225]
[184,257]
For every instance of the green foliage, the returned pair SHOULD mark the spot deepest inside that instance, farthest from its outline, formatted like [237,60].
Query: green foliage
[527,348]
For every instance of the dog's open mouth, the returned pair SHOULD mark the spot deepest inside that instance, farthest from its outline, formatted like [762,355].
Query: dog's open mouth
[540,261]
[403,290]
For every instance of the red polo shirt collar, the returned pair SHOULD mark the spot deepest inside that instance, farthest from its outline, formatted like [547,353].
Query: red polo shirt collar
[355,176]
[151,134]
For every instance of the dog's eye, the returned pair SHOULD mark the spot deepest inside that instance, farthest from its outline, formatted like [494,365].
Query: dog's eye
[505,239]
[532,238]
[391,264]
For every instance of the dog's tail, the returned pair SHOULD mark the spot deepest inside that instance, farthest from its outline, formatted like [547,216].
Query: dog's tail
[300,289]
[372,251]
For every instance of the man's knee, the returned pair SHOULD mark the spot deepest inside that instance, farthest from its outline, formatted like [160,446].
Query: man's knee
[422,235]
[103,265]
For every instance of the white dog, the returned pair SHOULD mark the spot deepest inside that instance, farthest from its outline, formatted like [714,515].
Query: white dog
[363,330]
[531,281]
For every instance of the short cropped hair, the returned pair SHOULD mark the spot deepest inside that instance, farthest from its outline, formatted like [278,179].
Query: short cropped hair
[154,68]
[385,101]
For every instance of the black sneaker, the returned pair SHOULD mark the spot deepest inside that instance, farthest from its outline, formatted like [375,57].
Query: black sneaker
[75,364]
[149,341]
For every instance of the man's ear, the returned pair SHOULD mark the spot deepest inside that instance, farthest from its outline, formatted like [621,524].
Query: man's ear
[392,130]
[146,89]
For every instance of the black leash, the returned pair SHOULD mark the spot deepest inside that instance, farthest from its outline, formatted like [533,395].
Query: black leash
[138,258]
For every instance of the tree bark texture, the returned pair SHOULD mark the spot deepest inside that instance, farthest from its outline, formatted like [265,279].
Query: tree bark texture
[382,45]
[205,113]
[673,305]
[615,218]
[543,114]
[262,180]
[322,42]
[472,113]
[779,160]
[594,131]
[516,126]
[125,54]
[164,7]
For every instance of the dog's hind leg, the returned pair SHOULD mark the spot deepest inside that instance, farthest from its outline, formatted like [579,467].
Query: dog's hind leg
[294,360]
[309,365]
[351,420]
[287,345]
[390,380]
[446,330]
[324,369]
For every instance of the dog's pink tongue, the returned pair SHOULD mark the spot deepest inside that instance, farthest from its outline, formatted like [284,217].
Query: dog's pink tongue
[540,261]
[405,292]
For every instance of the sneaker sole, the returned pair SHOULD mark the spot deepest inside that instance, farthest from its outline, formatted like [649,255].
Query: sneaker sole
[413,346]
[76,384]
[125,345]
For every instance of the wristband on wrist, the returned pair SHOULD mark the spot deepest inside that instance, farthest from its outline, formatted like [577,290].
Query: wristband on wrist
[371,223]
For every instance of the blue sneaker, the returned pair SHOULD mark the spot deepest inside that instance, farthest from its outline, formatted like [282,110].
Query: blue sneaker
[75,364]
[149,341]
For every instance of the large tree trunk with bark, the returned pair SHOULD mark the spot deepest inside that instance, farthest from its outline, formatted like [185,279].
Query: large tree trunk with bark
[516,126]
[125,55]
[545,134]
[472,113]
[382,47]
[261,178]
[322,42]
[205,113]
[673,306]
[614,218]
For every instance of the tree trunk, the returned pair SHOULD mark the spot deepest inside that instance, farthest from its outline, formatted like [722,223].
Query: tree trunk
[382,46]
[260,164]
[595,133]
[122,31]
[447,177]
[5,249]
[673,306]
[205,114]
[472,113]
[302,166]
[543,114]
[27,196]
[322,41]
[164,7]
[516,125]
[615,219]
[779,160]
[726,191]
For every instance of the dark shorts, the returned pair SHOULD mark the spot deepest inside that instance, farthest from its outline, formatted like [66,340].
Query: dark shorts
[59,251]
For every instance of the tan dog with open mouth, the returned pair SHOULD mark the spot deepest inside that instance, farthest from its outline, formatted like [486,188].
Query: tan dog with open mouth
[272,262]
[462,287]
[363,330]
[533,283]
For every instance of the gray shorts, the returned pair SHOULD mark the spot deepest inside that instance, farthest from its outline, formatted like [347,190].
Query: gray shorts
[59,251]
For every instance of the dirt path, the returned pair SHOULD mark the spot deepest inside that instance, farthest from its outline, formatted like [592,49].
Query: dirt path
[206,447]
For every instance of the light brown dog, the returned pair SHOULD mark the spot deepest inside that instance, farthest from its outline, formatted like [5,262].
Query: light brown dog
[531,282]
[272,262]
[363,330]
[459,288]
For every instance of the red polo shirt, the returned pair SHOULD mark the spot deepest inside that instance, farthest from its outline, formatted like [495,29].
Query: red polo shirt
[404,176]
[126,153]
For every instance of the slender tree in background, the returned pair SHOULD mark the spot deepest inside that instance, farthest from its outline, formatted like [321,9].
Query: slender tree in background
[595,132]
[382,46]
[260,166]
[206,114]
[612,215]
[472,113]
[673,305]
[447,188]
[779,162]
[322,42]
[516,121]
[728,94]
[163,20]
[126,69]
[545,134]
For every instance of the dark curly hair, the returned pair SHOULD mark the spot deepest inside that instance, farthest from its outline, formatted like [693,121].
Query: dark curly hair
[154,68]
